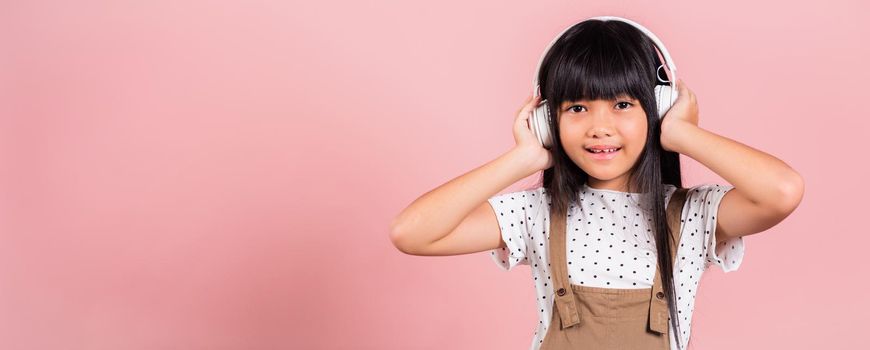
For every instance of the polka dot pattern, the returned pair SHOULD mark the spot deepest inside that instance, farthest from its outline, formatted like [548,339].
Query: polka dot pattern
[610,244]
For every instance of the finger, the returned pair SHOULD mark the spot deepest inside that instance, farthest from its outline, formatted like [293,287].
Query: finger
[531,104]
[525,103]
[534,101]
[685,89]
[525,113]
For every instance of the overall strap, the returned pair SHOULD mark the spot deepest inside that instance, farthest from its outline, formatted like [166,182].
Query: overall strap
[658,305]
[564,296]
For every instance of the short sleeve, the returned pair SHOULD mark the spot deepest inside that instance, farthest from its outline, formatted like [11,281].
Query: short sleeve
[516,212]
[703,203]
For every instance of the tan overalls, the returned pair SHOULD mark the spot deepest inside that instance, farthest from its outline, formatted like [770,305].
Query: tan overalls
[587,317]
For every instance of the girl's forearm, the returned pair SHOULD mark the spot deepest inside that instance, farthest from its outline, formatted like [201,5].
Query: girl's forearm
[437,212]
[761,177]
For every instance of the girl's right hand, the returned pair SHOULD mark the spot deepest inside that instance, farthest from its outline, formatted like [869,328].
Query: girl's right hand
[526,139]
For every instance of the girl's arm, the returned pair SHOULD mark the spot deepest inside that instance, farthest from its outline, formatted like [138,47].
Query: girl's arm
[766,190]
[456,218]
[459,209]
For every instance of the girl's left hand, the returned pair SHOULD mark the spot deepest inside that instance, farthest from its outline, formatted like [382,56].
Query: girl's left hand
[683,113]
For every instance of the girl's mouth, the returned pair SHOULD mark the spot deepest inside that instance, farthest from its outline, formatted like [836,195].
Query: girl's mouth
[603,155]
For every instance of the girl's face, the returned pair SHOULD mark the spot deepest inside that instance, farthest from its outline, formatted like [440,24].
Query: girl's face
[620,123]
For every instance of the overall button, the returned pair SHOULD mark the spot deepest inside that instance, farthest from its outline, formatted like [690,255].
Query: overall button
[561,292]
[660,295]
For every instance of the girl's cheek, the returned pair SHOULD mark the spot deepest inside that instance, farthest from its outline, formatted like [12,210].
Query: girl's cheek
[636,131]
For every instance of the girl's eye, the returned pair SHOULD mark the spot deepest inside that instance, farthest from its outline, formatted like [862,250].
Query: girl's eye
[574,110]
[627,104]
[624,105]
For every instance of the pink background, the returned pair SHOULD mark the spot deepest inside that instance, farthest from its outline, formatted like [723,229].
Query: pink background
[221,175]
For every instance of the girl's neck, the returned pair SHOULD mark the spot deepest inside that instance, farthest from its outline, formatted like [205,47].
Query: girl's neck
[616,185]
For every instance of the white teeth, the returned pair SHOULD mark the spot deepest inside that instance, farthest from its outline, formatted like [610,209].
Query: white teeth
[606,151]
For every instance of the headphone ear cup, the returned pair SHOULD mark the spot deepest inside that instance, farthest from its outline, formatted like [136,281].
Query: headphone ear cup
[540,124]
[665,97]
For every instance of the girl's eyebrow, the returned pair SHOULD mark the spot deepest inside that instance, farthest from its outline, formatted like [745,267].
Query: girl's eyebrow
[623,97]
[620,97]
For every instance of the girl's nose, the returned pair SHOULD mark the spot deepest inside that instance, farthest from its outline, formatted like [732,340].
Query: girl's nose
[601,124]
[600,131]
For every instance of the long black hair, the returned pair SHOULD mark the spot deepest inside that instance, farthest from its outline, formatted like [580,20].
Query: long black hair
[600,60]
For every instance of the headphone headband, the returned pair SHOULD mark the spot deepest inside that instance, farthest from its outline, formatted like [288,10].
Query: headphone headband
[658,43]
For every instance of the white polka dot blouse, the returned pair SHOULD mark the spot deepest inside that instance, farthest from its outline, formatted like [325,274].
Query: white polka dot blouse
[610,244]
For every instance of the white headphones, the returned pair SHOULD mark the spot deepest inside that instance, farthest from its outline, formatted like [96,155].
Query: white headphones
[665,94]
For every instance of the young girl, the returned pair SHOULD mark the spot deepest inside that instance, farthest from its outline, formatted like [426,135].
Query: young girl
[598,80]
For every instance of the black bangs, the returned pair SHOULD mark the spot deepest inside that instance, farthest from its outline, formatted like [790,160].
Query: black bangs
[599,60]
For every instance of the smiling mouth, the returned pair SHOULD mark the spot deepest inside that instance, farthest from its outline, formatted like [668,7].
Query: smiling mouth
[613,150]
[604,155]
